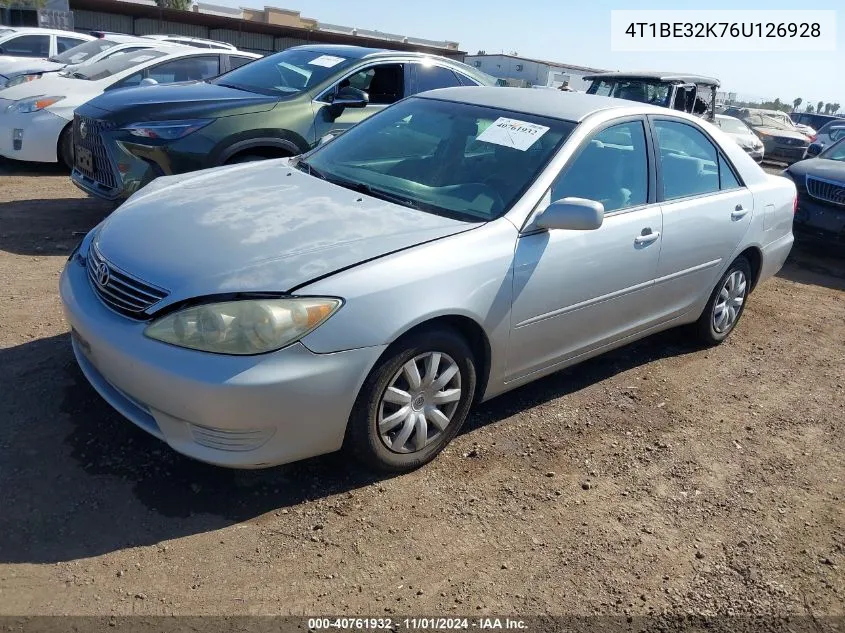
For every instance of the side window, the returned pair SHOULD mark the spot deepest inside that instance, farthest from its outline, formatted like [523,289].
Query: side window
[612,168]
[384,83]
[28,46]
[688,160]
[65,43]
[127,82]
[727,179]
[236,61]
[434,77]
[185,69]
[466,81]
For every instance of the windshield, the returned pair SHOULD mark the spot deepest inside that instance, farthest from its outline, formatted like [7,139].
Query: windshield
[733,126]
[115,64]
[775,122]
[454,159]
[283,74]
[642,90]
[79,54]
[835,152]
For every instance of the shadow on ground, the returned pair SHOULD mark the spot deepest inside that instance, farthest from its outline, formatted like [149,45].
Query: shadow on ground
[815,265]
[80,481]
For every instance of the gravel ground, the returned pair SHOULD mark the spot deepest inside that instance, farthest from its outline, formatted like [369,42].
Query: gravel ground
[656,479]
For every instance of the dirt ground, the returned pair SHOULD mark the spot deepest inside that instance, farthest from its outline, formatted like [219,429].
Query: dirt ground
[656,479]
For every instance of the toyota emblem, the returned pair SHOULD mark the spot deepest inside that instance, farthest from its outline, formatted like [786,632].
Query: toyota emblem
[83,129]
[102,274]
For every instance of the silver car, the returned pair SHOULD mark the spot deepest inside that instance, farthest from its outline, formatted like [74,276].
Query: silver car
[458,244]
[742,134]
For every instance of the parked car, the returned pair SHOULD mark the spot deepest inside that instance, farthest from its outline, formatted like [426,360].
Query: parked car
[786,120]
[813,119]
[279,106]
[829,133]
[27,42]
[821,195]
[36,117]
[456,245]
[781,143]
[680,91]
[24,70]
[743,135]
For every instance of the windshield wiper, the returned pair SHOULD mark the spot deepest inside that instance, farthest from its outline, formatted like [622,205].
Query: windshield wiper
[302,165]
[375,192]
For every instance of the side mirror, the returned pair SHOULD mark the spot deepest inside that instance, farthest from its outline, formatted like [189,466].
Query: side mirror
[813,150]
[148,81]
[349,97]
[575,214]
[328,137]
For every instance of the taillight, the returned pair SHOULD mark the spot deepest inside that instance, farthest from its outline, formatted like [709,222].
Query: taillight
[813,138]
[795,205]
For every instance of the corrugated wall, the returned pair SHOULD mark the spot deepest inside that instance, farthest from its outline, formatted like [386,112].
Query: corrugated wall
[147,26]
[98,21]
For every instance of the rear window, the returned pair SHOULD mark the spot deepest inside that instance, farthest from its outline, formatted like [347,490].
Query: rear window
[79,54]
[118,63]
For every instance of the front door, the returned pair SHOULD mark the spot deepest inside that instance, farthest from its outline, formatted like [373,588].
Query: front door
[706,213]
[384,83]
[575,291]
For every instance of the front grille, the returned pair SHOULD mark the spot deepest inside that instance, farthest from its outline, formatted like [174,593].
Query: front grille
[825,190]
[101,170]
[121,292]
[785,140]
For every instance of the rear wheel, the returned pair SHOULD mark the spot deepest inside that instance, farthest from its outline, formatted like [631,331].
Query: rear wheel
[726,304]
[413,402]
[244,158]
[65,147]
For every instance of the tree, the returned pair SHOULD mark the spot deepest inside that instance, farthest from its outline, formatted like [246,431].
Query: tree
[835,108]
[797,103]
[810,108]
[182,5]
[820,106]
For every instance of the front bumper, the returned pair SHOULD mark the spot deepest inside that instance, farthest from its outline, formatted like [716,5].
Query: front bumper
[235,411]
[818,221]
[39,139]
[786,154]
[756,154]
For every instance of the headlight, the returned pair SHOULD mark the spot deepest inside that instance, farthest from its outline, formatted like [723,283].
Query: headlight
[167,130]
[21,79]
[33,104]
[249,326]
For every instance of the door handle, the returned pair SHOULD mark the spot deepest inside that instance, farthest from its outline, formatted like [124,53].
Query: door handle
[738,212]
[646,238]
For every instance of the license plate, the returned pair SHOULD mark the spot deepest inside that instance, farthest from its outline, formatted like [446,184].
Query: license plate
[84,159]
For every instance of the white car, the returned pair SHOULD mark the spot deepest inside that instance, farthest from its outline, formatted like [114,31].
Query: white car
[36,117]
[742,134]
[30,42]
[196,42]
[23,70]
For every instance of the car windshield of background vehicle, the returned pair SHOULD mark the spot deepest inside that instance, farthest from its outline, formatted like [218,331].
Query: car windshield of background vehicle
[115,64]
[644,91]
[79,54]
[284,74]
[734,126]
[769,121]
[835,152]
[454,159]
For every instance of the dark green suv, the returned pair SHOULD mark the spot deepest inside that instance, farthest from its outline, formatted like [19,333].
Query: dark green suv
[277,106]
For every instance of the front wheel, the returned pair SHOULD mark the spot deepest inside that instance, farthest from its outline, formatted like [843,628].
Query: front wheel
[65,147]
[726,304]
[413,402]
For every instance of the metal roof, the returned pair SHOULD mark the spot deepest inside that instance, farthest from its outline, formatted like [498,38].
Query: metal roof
[556,104]
[658,76]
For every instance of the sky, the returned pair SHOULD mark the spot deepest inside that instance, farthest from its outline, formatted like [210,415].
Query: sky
[579,33]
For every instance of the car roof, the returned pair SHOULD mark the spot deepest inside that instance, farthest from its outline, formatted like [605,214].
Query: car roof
[556,104]
[659,76]
[38,30]
[360,52]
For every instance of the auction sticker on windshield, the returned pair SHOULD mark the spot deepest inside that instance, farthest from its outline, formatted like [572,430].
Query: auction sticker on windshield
[512,133]
[328,61]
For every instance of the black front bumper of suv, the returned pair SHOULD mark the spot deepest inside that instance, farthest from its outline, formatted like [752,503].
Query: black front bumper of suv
[818,221]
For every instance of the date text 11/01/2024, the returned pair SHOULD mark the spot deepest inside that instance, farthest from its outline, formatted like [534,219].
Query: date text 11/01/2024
[415,624]
[723,29]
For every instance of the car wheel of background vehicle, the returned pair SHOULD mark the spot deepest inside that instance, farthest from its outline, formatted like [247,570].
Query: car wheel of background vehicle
[726,304]
[413,402]
[65,147]
[244,158]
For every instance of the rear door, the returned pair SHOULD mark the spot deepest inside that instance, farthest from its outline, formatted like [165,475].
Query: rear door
[706,212]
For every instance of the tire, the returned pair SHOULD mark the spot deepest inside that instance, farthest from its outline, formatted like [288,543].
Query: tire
[65,147]
[722,313]
[369,445]
[245,158]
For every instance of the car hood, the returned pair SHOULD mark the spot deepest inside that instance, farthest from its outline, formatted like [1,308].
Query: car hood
[820,168]
[181,101]
[778,132]
[745,139]
[255,227]
[26,66]
[53,86]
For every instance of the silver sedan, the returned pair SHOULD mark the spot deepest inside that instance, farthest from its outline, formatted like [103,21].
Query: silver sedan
[454,246]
